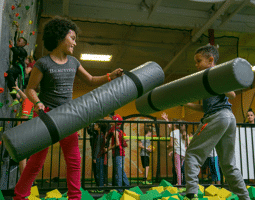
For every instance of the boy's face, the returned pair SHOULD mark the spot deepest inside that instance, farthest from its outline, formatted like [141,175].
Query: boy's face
[202,62]
[20,42]
[250,116]
[69,42]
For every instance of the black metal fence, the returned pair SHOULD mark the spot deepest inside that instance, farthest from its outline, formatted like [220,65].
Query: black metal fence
[162,164]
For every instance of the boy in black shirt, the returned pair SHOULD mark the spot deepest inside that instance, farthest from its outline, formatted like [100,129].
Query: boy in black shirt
[18,63]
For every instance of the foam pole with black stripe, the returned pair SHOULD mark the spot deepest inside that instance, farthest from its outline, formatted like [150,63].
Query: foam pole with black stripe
[34,135]
[229,76]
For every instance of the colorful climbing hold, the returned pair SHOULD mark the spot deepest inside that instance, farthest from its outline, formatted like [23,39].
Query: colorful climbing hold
[13,7]
[1,105]
[30,22]
[17,14]
[5,74]
[36,45]
[21,31]
[27,7]
[10,46]
[18,17]
[14,22]
[1,90]
[33,32]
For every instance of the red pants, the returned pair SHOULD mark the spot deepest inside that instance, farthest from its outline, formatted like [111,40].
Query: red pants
[35,163]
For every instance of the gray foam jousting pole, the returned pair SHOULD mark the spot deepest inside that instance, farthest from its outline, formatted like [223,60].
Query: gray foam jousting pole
[229,76]
[35,135]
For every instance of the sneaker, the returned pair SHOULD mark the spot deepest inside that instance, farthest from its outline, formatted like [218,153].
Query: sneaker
[13,91]
[14,103]
[194,197]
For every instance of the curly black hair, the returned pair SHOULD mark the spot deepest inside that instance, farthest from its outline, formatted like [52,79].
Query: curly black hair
[56,30]
[208,51]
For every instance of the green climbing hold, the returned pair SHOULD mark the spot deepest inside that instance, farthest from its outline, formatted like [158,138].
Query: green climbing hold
[1,105]
[27,7]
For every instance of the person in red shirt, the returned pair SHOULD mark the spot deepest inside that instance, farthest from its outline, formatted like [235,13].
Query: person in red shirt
[117,146]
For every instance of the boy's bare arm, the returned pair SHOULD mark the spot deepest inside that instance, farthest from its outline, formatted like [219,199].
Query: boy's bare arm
[194,106]
[230,95]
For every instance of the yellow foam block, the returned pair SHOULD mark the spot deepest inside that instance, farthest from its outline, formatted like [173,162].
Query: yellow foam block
[208,197]
[201,188]
[215,198]
[34,191]
[247,186]
[31,197]
[223,193]
[211,191]
[130,195]
[159,189]
[53,194]
[175,196]
[172,190]
[165,198]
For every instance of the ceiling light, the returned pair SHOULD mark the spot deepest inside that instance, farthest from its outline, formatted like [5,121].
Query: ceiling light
[96,57]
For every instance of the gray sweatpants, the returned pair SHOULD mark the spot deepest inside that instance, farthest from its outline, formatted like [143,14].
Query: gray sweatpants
[219,131]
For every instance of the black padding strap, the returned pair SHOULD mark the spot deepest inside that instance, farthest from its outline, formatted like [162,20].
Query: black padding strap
[51,126]
[206,83]
[137,82]
[150,102]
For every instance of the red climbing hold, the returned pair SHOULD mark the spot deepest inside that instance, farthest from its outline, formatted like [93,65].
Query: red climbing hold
[13,7]
[5,74]
[1,90]
[17,14]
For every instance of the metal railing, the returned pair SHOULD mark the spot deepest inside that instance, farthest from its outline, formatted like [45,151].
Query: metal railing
[161,165]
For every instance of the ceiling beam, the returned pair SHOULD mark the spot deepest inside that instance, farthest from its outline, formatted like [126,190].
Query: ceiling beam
[198,34]
[122,48]
[154,8]
[226,18]
[65,8]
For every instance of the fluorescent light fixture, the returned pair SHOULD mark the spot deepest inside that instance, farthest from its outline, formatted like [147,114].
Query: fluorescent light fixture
[96,57]
[208,1]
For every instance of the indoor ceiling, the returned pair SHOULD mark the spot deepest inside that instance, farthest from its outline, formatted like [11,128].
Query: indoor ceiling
[165,31]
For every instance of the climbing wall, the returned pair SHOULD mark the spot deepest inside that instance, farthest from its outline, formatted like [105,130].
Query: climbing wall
[27,14]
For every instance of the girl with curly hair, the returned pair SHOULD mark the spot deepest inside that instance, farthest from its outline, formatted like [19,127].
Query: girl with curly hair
[55,73]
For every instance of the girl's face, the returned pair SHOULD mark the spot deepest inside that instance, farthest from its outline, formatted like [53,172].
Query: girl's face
[250,117]
[69,43]
[202,62]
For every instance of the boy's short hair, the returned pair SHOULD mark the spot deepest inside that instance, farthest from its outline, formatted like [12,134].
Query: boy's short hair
[56,30]
[208,51]
[25,40]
